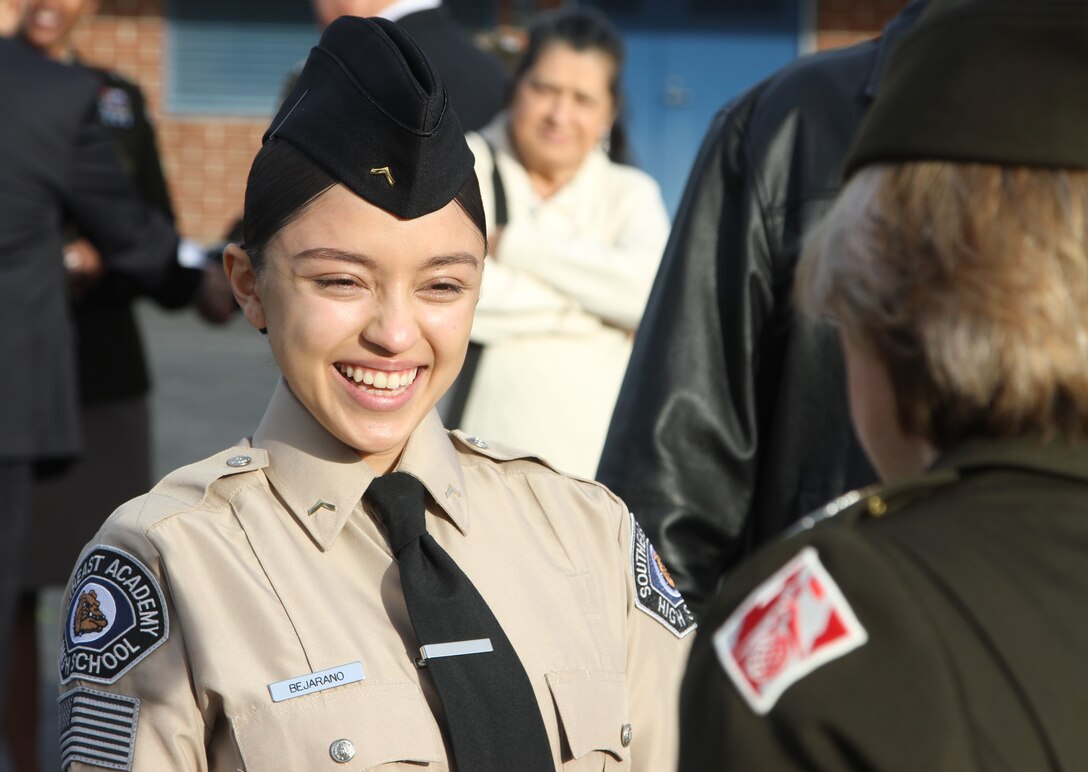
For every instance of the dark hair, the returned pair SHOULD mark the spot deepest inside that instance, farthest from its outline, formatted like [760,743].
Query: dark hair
[583,29]
[282,183]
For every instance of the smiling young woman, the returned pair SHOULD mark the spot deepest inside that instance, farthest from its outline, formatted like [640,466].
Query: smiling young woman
[354,583]
[367,314]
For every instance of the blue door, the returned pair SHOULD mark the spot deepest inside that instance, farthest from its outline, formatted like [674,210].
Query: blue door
[685,60]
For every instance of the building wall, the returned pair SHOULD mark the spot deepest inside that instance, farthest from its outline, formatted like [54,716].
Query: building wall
[207,159]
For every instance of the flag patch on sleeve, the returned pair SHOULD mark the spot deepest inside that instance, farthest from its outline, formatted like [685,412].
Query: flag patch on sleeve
[97,728]
[793,623]
[655,591]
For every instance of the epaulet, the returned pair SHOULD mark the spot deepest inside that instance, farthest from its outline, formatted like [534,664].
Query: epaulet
[190,483]
[876,501]
[496,451]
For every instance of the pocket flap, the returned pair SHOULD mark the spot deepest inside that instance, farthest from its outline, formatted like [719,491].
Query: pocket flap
[383,722]
[592,710]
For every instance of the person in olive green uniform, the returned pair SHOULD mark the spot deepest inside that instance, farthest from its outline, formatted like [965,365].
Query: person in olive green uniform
[936,622]
[260,609]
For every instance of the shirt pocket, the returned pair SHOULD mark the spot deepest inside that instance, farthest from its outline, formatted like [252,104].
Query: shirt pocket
[383,724]
[592,710]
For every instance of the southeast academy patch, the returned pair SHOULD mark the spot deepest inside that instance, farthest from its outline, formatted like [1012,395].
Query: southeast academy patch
[116,617]
[794,622]
[655,591]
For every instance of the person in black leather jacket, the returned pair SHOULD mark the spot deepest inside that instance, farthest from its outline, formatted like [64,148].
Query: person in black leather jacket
[732,422]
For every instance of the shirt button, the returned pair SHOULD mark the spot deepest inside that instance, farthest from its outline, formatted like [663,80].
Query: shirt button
[239,461]
[877,506]
[625,735]
[477,442]
[342,751]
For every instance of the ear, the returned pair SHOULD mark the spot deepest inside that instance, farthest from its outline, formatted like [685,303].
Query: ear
[245,282]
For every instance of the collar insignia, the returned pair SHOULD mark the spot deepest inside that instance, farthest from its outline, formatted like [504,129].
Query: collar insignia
[321,504]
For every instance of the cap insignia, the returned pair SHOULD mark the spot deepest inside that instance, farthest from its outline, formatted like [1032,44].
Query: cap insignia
[388,174]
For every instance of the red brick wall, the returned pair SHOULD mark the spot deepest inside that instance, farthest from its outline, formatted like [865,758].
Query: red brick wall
[844,22]
[207,159]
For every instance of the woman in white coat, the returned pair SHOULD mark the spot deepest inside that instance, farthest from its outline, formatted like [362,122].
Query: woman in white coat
[574,249]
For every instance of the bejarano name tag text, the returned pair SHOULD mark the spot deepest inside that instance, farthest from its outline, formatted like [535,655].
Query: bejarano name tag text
[316,682]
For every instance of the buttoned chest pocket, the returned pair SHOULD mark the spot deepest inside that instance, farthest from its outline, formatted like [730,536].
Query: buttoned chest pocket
[357,727]
[592,711]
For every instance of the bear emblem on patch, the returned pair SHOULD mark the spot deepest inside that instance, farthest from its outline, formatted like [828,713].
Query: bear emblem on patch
[88,617]
[655,590]
[116,617]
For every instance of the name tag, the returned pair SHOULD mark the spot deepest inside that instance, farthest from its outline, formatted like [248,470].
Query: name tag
[316,682]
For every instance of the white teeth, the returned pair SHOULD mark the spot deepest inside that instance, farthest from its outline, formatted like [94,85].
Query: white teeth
[379,379]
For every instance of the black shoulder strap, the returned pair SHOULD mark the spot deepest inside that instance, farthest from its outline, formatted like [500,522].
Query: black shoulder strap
[501,217]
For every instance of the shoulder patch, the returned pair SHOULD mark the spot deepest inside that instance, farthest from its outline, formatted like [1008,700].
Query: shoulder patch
[655,591]
[97,728]
[116,617]
[793,623]
[115,108]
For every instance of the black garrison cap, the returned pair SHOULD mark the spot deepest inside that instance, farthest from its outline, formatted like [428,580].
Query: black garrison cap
[371,111]
[987,81]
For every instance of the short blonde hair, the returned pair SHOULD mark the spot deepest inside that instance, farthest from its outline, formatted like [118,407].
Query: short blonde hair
[970,283]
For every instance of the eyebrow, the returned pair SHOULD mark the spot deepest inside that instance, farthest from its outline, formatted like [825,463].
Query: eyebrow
[439,261]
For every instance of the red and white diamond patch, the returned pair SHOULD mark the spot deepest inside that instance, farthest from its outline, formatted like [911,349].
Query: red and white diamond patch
[793,623]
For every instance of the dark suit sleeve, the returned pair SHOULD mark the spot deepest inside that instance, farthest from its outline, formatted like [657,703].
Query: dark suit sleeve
[134,239]
[148,172]
[682,450]
[892,703]
[178,284]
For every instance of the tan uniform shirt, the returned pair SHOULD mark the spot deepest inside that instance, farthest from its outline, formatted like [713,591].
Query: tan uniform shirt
[271,570]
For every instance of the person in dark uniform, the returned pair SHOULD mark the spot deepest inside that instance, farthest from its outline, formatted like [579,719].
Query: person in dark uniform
[56,159]
[476,80]
[113,376]
[747,430]
[936,622]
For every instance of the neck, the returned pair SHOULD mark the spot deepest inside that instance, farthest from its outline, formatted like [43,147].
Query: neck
[547,184]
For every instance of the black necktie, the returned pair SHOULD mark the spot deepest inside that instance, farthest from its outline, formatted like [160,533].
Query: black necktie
[492,716]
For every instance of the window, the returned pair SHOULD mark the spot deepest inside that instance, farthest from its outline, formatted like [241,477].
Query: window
[232,57]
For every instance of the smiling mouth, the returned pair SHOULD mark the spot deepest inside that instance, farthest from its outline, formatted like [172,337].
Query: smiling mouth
[378,381]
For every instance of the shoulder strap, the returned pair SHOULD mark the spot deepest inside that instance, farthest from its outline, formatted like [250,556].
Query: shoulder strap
[501,217]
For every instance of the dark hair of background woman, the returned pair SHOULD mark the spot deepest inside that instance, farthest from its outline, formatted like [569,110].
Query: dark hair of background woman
[282,182]
[583,29]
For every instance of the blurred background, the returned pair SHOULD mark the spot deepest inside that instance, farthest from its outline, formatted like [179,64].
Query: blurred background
[213,71]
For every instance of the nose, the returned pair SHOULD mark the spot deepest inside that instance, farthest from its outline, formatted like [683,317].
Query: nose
[392,326]
[559,108]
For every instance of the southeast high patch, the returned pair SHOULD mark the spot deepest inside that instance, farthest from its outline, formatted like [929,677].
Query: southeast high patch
[97,728]
[116,617]
[655,591]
